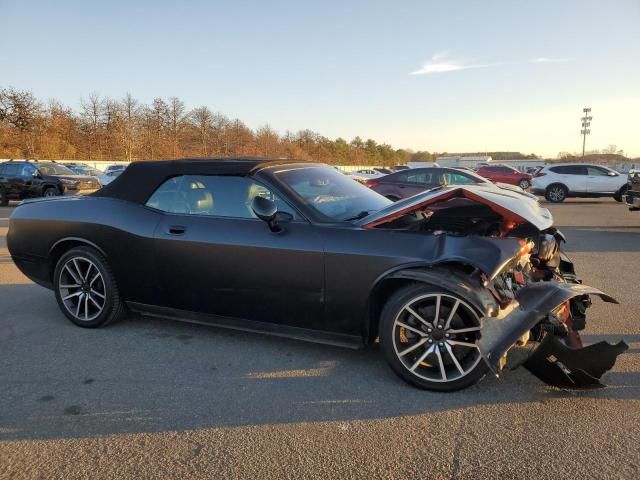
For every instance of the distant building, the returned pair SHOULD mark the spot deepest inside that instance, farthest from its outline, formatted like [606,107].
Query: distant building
[457,161]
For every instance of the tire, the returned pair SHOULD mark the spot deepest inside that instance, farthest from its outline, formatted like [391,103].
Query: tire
[4,200]
[50,192]
[524,184]
[94,299]
[429,362]
[556,193]
[619,195]
[393,198]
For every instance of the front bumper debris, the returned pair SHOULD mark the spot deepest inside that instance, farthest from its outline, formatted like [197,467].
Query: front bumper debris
[580,367]
[573,368]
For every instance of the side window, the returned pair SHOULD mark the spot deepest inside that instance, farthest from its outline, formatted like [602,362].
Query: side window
[454,178]
[11,170]
[423,177]
[569,170]
[597,171]
[221,196]
[27,170]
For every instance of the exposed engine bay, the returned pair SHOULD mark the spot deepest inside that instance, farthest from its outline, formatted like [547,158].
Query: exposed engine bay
[541,302]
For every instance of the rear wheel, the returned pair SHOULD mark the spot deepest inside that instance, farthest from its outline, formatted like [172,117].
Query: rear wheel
[556,193]
[86,290]
[428,336]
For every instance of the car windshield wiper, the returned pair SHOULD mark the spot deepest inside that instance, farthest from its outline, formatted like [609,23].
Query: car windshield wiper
[362,214]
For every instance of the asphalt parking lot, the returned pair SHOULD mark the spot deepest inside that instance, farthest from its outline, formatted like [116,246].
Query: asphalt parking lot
[148,398]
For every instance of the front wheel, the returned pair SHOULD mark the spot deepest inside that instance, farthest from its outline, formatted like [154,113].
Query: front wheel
[4,200]
[524,184]
[86,290]
[429,338]
[618,196]
[50,192]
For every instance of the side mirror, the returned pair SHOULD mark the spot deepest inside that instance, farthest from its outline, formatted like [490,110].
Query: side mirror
[612,174]
[36,174]
[266,210]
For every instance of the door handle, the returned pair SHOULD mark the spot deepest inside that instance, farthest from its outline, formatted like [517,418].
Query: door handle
[176,230]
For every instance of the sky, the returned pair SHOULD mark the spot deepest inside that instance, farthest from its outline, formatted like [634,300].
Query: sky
[454,76]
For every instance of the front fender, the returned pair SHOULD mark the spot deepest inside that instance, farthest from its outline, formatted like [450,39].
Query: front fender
[457,282]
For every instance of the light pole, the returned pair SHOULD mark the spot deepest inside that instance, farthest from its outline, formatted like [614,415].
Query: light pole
[586,123]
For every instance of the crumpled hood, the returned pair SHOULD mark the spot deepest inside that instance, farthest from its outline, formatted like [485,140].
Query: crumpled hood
[517,204]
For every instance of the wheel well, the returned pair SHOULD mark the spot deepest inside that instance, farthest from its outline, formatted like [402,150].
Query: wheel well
[387,287]
[557,184]
[379,296]
[63,247]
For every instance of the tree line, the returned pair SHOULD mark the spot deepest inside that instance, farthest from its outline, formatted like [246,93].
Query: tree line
[126,129]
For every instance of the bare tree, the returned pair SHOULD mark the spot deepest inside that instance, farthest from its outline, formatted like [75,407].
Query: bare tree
[202,118]
[92,115]
[176,120]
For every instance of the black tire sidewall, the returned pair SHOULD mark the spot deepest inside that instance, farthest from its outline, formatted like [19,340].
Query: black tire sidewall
[4,200]
[48,189]
[111,294]
[555,185]
[387,319]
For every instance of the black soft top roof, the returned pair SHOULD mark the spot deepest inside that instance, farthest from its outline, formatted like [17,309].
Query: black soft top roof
[141,179]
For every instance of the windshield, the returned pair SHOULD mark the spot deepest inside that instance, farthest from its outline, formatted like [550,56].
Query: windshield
[331,193]
[54,169]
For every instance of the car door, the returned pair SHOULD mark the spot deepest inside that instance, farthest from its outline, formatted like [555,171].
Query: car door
[599,180]
[215,257]
[418,180]
[574,177]
[31,182]
[12,180]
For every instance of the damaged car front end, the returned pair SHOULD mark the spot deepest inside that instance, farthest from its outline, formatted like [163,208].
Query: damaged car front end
[531,297]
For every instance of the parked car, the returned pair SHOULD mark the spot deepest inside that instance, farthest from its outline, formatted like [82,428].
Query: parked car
[505,174]
[115,167]
[447,279]
[632,195]
[407,183]
[85,170]
[559,181]
[108,177]
[22,179]
[365,174]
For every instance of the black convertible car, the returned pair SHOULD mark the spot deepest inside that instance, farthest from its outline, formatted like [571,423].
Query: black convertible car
[448,280]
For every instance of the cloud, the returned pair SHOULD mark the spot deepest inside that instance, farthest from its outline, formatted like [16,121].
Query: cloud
[440,63]
[547,60]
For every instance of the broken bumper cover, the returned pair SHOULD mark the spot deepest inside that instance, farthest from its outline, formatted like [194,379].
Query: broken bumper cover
[552,361]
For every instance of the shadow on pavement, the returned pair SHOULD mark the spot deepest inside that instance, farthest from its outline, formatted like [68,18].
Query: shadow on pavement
[150,375]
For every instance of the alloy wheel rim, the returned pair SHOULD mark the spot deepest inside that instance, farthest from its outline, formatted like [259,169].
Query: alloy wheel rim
[82,289]
[556,194]
[524,185]
[434,337]
[50,193]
